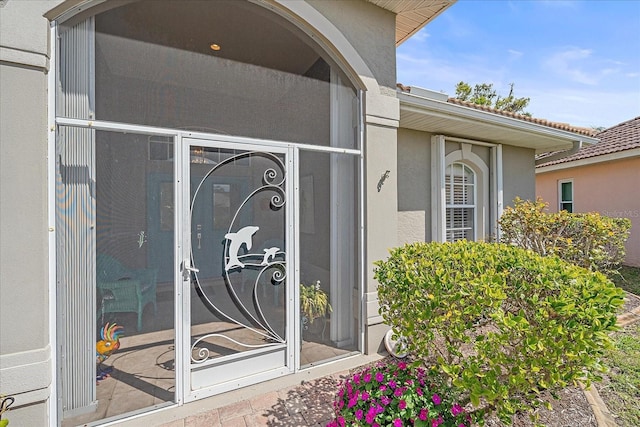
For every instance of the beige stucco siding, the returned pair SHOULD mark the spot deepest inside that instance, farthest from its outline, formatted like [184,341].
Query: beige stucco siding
[518,174]
[608,188]
[414,186]
[370,30]
[24,329]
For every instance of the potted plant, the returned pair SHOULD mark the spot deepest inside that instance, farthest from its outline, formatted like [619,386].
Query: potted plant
[314,303]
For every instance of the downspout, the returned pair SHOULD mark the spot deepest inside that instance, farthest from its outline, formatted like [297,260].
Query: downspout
[577,145]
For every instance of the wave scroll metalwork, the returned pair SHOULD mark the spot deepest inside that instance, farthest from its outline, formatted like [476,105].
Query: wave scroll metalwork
[269,264]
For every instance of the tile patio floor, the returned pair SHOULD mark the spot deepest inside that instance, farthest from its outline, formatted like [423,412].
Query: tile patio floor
[308,404]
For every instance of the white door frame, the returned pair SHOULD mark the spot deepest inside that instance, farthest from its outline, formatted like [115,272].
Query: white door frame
[206,379]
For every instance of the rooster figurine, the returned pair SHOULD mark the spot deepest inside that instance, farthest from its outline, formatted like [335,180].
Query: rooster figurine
[110,341]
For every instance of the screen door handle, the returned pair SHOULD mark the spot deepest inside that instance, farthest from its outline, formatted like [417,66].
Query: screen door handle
[187,269]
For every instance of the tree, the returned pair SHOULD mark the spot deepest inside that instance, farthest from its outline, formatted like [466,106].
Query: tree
[485,94]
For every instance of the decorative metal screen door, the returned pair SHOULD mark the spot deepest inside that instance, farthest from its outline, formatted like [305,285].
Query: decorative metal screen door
[238,265]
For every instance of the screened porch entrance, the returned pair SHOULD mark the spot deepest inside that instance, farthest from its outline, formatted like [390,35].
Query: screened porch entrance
[237,265]
[213,236]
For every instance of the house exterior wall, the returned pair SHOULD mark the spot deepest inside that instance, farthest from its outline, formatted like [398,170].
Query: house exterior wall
[518,174]
[414,180]
[25,350]
[368,28]
[27,354]
[414,186]
[609,188]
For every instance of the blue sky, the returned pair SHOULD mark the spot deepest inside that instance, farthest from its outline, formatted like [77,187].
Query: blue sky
[578,61]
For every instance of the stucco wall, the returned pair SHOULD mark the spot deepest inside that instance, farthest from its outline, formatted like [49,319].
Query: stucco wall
[608,188]
[25,356]
[380,219]
[370,29]
[414,186]
[24,35]
[518,174]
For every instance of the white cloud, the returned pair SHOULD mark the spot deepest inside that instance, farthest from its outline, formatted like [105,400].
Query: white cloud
[421,35]
[441,75]
[567,64]
[586,108]
[515,54]
[551,98]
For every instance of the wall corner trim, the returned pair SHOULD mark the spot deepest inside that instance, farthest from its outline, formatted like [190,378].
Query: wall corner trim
[26,375]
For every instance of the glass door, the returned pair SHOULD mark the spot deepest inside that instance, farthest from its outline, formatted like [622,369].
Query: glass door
[237,265]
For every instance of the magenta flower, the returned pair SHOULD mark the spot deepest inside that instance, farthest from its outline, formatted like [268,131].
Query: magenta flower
[364,396]
[370,417]
[359,414]
[385,400]
[436,399]
[423,414]
[402,366]
[397,422]
[367,377]
[353,402]
[419,391]
[402,405]
[398,392]
[356,378]
[392,384]
[379,377]
[456,409]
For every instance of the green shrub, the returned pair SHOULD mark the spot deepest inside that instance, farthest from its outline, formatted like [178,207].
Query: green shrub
[502,322]
[589,240]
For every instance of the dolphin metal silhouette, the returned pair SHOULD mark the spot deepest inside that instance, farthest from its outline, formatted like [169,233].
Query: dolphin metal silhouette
[244,236]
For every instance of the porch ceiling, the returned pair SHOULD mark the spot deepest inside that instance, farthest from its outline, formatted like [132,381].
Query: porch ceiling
[441,117]
[412,15]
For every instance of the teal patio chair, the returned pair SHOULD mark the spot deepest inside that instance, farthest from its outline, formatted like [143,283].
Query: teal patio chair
[123,290]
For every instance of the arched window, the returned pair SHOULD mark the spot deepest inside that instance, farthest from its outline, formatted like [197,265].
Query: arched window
[466,189]
[460,184]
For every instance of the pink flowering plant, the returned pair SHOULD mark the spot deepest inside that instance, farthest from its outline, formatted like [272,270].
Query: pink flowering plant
[397,394]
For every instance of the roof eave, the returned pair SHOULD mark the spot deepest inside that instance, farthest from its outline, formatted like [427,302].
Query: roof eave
[458,113]
[602,158]
[412,15]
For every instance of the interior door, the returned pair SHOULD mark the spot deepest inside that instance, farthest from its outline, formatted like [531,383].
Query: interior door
[237,265]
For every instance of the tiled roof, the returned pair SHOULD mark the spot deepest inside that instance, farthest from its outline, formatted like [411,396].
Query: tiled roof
[561,126]
[543,122]
[621,137]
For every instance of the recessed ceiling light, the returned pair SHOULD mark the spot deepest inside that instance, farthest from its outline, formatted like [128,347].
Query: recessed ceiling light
[215,47]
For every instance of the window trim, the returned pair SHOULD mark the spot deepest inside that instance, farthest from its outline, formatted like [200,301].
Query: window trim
[561,201]
[490,207]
